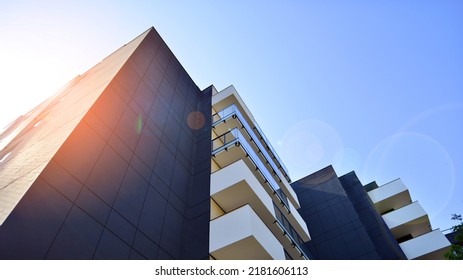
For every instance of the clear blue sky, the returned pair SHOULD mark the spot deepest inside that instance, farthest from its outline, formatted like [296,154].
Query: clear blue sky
[370,86]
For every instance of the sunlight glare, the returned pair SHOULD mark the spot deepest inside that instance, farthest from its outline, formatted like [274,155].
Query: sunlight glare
[29,76]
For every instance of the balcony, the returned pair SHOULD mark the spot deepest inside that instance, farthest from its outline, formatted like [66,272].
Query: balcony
[251,240]
[431,245]
[390,196]
[235,186]
[233,112]
[232,147]
[410,220]
[233,118]
[292,236]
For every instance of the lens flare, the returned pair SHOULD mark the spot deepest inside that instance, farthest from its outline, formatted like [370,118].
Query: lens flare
[139,125]
[397,156]
[196,120]
[309,145]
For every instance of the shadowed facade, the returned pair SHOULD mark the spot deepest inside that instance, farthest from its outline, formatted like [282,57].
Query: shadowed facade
[114,166]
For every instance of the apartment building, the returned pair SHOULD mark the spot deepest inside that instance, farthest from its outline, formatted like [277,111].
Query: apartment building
[250,187]
[349,220]
[116,165]
[131,160]
[408,221]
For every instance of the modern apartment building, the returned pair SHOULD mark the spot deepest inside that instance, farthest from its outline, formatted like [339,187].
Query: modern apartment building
[351,221]
[408,221]
[131,160]
[114,166]
[250,188]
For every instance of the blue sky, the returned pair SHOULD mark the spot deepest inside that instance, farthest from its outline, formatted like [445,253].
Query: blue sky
[370,86]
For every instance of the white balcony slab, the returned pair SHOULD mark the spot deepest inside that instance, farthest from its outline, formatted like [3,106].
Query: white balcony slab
[410,219]
[236,185]
[431,245]
[392,195]
[241,235]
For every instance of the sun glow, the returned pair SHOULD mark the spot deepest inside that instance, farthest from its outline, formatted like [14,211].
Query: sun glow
[33,67]
[28,77]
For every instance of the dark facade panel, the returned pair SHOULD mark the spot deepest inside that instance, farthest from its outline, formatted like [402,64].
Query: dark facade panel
[382,238]
[452,237]
[30,230]
[335,226]
[196,237]
[132,180]
[78,237]
[111,247]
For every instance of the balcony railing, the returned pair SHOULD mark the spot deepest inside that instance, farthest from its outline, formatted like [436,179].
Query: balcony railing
[289,230]
[280,162]
[233,112]
[235,138]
